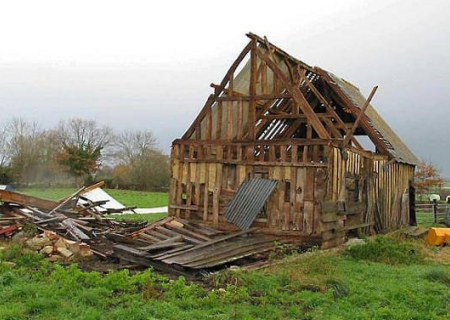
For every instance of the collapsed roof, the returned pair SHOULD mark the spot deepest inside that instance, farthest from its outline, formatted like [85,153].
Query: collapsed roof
[291,100]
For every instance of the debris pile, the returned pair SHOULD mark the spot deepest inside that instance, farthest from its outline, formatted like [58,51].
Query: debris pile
[79,226]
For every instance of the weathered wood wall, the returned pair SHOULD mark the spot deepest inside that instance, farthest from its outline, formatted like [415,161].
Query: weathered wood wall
[367,194]
[328,195]
[206,176]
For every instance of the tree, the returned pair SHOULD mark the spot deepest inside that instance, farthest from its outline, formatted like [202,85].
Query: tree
[81,145]
[427,177]
[24,141]
[140,164]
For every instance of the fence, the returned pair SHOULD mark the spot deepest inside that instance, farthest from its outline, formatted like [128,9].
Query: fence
[433,212]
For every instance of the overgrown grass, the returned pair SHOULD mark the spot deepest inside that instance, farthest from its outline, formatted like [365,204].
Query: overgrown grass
[140,199]
[315,285]
[387,250]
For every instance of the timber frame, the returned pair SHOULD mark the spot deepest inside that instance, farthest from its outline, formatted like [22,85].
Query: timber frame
[275,117]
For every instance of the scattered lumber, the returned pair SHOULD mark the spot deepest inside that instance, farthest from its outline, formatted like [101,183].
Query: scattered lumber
[78,226]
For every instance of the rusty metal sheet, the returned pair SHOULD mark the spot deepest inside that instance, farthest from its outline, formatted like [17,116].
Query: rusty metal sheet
[249,201]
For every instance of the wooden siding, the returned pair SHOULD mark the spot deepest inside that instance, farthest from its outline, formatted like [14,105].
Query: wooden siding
[367,194]
[329,197]
[205,177]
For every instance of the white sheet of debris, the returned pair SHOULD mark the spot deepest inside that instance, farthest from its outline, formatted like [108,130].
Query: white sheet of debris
[98,194]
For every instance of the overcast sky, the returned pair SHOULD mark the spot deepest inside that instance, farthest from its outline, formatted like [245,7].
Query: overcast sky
[148,65]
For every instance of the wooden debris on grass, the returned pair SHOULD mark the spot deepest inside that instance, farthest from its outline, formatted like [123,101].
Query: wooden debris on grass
[66,230]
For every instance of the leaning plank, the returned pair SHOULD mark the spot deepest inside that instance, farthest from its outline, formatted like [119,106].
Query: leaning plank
[63,203]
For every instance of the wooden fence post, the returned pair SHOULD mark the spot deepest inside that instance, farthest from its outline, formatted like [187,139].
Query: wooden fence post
[435,211]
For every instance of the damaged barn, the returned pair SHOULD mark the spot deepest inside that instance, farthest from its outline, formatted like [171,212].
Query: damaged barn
[276,118]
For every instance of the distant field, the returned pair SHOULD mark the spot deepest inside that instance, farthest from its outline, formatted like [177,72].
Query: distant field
[129,198]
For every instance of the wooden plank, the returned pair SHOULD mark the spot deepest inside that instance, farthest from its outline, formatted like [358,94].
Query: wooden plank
[308,191]
[206,194]
[163,244]
[308,217]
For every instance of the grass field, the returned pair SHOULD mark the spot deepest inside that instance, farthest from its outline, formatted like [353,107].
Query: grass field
[389,278]
[386,279]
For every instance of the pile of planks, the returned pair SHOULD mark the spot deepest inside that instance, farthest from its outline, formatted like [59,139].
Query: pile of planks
[70,228]
[85,224]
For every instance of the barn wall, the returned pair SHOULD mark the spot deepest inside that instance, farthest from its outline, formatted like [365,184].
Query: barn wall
[329,194]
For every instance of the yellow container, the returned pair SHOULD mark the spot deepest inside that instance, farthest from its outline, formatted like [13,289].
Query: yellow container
[438,236]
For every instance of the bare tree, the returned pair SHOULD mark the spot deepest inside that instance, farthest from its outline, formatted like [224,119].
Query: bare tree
[23,145]
[131,145]
[83,133]
[141,165]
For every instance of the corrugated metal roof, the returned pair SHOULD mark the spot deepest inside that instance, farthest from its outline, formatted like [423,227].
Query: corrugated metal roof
[393,143]
[249,201]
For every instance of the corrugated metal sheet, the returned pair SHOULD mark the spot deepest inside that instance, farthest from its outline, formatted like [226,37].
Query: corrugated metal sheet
[393,143]
[249,201]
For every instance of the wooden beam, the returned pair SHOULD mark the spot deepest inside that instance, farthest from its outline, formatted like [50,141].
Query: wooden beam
[347,102]
[358,119]
[252,91]
[256,97]
[328,107]
[297,95]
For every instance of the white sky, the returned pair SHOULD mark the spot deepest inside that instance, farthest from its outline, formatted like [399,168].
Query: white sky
[148,65]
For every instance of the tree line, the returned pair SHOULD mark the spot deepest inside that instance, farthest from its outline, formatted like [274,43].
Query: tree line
[79,151]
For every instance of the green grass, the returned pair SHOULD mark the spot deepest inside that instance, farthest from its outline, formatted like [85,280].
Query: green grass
[140,199]
[316,285]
